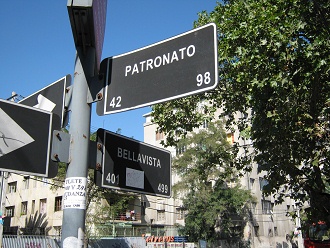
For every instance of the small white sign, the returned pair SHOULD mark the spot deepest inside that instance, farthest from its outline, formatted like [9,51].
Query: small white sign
[134,178]
[75,193]
[44,103]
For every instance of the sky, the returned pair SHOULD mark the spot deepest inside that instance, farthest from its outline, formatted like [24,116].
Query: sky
[37,46]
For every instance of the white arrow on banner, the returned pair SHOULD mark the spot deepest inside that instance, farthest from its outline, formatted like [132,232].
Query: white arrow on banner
[12,136]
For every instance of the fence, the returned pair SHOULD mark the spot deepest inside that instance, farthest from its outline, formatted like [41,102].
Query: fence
[29,241]
[171,245]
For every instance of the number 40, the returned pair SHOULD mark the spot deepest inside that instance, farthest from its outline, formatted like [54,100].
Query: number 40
[112,178]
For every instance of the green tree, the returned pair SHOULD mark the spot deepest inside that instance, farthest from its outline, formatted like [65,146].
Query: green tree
[108,205]
[274,61]
[36,224]
[213,208]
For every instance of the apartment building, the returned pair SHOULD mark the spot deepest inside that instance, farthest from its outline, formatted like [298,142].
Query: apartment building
[26,199]
[29,199]
[270,224]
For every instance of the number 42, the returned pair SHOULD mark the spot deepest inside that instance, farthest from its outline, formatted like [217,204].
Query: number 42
[115,102]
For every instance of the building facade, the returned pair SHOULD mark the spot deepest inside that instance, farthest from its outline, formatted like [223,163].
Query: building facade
[28,200]
[270,225]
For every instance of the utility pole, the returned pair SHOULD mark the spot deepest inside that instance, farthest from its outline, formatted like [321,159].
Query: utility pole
[74,203]
[3,186]
[4,176]
[298,225]
[87,19]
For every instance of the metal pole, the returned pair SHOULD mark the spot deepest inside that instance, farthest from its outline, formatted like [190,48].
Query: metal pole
[3,188]
[298,225]
[74,199]
[2,200]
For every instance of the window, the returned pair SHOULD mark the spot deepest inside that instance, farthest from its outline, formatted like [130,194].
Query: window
[160,215]
[180,149]
[256,231]
[33,206]
[252,180]
[262,182]
[26,182]
[159,135]
[35,183]
[205,124]
[179,213]
[10,211]
[24,208]
[267,206]
[43,206]
[270,232]
[12,187]
[230,138]
[58,203]
[275,231]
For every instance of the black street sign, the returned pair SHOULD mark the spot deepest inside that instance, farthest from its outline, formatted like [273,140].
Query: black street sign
[184,65]
[52,99]
[134,166]
[25,136]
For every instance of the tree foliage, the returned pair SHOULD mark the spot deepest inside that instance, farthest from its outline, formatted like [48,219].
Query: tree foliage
[36,224]
[274,61]
[205,172]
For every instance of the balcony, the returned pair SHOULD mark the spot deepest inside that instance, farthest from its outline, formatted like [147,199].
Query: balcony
[123,217]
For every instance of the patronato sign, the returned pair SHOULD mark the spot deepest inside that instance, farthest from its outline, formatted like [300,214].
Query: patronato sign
[134,166]
[183,65]
[25,137]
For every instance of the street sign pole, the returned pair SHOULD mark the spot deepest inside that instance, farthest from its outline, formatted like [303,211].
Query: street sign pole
[74,199]
[87,18]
